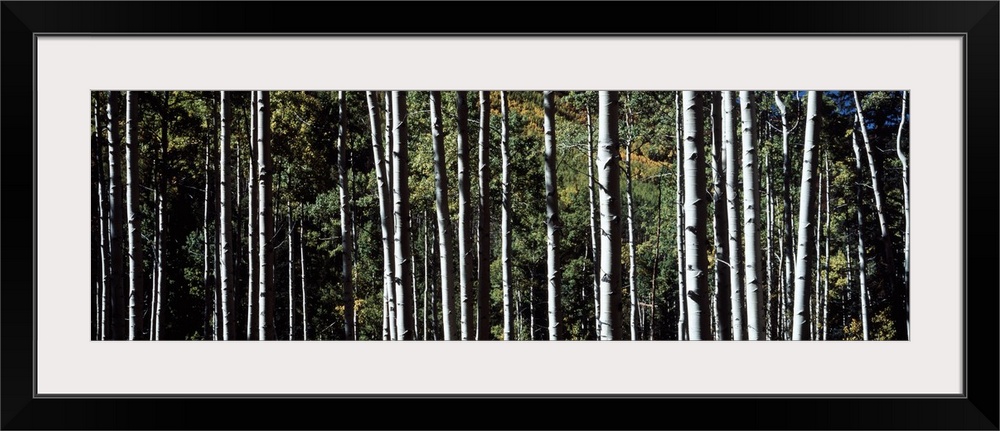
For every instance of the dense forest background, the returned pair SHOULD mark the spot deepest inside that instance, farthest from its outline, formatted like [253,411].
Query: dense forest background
[577,215]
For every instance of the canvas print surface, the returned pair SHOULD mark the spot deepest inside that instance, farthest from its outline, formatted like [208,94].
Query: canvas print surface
[500,215]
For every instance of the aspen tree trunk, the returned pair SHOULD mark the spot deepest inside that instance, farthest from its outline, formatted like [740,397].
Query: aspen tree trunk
[226,262]
[265,248]
[898,298]
[483,297]
[789,252]
[132,190]
[610,198]
[390,295]
[160,224]
[465,261]
[772,294]
[904,161]
[730,319]
[801,319]
[696,259]
[751,217]
[443,221]
[108,271]
[253,227]
[682,330]
[401,214]
[98,154]
[116,217]
[346,229]
[862,273]
[426,277]
[632,289]
[553,224]
[505,236]
[385,212]
[595,225]
[302,269]
[739,323]
[826,262]
[291,270]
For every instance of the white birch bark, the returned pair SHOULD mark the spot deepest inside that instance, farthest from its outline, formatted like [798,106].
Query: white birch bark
[465,246]
[132,191]
[553,224]
[401,217]
[445,236]
[751,216]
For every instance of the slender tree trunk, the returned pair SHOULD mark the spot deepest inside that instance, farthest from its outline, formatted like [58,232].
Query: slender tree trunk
[443,221]
[553,225]
[265,248]
[346,229]
[610,198]
[253,235]
[104,202]
[483,297]
[682,327]
[116,208]
[385,215]
[426,270]
[862,270]
[401,213]
[897,296]
[135,244]
[772,294]
[728,303]
[904,161]
[98,175]
[632,289]
[291,271]
[801,318]
[505,237]
[465,261]
[595,225]
[826,262]
[227,282]
[160,224]
[739,324]
[786,174]
[751,217]
[696,259]
[302,269]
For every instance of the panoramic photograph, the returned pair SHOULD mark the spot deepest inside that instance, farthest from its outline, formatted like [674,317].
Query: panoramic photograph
[500,215]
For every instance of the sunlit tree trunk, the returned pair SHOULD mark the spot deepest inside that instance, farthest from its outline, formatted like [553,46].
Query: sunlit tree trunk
[772,293]
[291,270]
[385,213]
[505,232]
[443,221]
[595,225]
[135,243]
[253,226]
[610,198]
[801,319]
[483,297]
[695,231]
[897,296]
[553,224]
[751,217]
[226,262]
[682,330]
[904,161]
[787,250]
[265,247]
[632,289]
[103,331]
[156,328]
[302,269]
[401,213]
[826,261]
[862,271]
[465,245]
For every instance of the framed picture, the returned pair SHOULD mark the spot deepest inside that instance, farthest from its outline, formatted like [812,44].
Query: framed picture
[943,376]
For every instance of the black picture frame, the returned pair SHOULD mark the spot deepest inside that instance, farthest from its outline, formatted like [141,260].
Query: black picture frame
[978,22]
